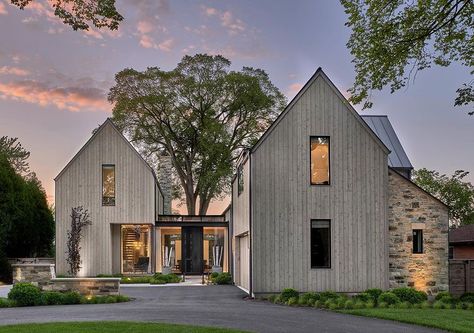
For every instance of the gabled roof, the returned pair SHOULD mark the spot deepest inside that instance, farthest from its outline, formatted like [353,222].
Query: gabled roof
[109,121]
[384,130]
[320,73]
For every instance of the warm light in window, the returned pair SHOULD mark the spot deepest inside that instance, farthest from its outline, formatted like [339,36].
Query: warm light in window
[320,160]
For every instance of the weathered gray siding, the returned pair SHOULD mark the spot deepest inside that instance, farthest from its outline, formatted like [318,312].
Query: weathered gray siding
[80,184]
[284,202]
[240,203]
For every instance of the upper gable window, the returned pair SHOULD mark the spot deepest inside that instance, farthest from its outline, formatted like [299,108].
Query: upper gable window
[108,185]
[320,160]
[240,179]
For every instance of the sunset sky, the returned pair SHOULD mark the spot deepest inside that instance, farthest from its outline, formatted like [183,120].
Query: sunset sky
[54,81]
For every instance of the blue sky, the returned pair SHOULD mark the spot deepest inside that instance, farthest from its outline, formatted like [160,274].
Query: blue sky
[54,81]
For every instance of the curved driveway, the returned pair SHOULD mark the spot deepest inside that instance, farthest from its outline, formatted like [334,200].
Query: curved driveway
[221,306]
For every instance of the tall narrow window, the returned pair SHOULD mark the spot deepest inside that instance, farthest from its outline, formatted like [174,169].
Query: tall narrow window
[418,241]
[320,160]
[320,244]
[108,185]
[240,179]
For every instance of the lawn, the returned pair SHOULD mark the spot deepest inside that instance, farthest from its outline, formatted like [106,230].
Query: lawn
[110,327]
[459,321]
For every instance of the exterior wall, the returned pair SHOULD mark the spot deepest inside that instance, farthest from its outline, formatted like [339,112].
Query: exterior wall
[38,274]
[284,202]
[85,286]
[463,251]
[80,184]
[412,208]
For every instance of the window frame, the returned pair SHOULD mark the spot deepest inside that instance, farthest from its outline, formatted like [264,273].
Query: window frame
[102,185]
[329,159]
[240,179]
[329,244]
[420,243]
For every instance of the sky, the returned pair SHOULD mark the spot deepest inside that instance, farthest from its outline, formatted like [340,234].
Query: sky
[54,81]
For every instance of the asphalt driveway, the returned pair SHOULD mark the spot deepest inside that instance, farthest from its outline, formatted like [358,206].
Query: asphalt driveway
[222,306]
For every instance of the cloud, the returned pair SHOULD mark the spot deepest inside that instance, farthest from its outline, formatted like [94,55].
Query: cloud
[233,25]
[71,98]
[3,11]
[167,45]
[295,87]
[148,42]
[17,71]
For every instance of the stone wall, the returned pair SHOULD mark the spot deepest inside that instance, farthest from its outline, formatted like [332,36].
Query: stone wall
[85,286]
[412,208]
[38,274]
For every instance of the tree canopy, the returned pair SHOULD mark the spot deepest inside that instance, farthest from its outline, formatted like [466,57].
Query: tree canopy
[81,14]
[17,155]
[452,190]
[201,114]
[392,40]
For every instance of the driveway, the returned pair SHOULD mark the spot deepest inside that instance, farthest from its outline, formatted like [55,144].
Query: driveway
[222,306]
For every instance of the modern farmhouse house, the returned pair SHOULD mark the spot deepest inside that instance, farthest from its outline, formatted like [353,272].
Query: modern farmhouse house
[323,201]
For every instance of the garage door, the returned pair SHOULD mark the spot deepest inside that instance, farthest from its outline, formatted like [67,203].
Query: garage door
[243,262]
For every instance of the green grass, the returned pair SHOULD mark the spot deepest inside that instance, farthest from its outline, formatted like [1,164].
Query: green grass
[111,327]
[459,321]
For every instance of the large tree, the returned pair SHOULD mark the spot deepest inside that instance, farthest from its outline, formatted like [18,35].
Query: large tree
[81,14]
[392,40]
[201,114]
[17,156]
[453,190]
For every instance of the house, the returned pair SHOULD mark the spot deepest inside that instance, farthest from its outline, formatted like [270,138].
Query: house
[323,201]
[461,243]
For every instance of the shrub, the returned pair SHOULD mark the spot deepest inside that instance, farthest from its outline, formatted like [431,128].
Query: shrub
[441,294]
[388,298]
[349,304]
[462,306]
[71,297]
[52,298]
[374,293]
[318,304]
[6,303]
[25,294]
[439,305]
[278,300]
[405,305]
[426,305]
[292,301]
[448,299]
[370,304]
[309,298]
[410,295]
[288,293]
[333,304]
[467,297]
[325,295]
[364,297]
[223,278]
[135,279]
[382,305]
[359,305]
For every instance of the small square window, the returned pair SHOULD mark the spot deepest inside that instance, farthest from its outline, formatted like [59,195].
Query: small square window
[417,241]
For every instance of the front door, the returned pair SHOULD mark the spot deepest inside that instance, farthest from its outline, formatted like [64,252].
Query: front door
[192,250]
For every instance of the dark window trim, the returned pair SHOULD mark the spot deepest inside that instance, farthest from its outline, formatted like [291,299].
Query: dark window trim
[451,252]
[415,251]
[329,159]
[329,244]
[102,185]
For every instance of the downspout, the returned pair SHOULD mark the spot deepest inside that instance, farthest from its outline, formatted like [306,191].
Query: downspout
[250,226]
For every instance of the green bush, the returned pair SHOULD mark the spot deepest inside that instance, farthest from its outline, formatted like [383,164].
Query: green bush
[325,295]
[52,298]
[405,305]
[71,297]
[410,295]
[426,305]
[363,297]
[374,293]
[292,301]
[440,305]
[25,294]
[382,305]
[349,304]
[287,293]
[214,275]
[278,300]
[6,303]
[448,299]
[223,278]
[388,298]
[359,305]
[441,294]
[308,298]
[104,299]
[467,298]
[135,279]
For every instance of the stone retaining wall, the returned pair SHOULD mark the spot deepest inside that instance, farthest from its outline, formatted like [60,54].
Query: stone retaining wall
[85,286]
[38,274]
[411,208]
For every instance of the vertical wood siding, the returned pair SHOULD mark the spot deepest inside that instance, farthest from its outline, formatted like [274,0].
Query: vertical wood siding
[81,185]
[284,201]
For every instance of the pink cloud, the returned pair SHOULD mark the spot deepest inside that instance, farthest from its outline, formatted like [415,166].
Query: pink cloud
[210,11]
[144,27]
[3,11]
[14,71]
[227,20]
[295,87]
[148,42]
[73,99]
[167,45]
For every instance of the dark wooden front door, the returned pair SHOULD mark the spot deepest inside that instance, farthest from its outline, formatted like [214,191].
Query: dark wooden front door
[192,250]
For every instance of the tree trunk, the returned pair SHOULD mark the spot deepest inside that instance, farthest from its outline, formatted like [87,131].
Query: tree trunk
[203,206]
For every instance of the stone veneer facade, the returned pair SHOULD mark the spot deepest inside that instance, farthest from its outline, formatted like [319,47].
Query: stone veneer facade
[412,208]
[38,274]
[85,286]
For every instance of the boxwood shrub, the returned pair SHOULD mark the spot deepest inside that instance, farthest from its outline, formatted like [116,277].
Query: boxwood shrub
[388,298]
[52,298]
[222,278]
[410,295]
[288,293]
[25,294]
[467,297]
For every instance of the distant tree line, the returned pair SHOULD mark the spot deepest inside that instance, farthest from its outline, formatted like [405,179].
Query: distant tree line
[26,220]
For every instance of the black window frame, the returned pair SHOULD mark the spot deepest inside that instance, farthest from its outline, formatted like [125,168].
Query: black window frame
[451,252]
[102,186]
[417,241]
[240,179]
[329,244]
[329,159]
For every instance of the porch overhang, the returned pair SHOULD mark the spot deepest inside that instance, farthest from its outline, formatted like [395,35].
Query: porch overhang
[191,220]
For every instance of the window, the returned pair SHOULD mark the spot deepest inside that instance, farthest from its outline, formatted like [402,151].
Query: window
[417,241]
[240,179]
[320,160]
[451,252]
[320,244]
[108,185]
